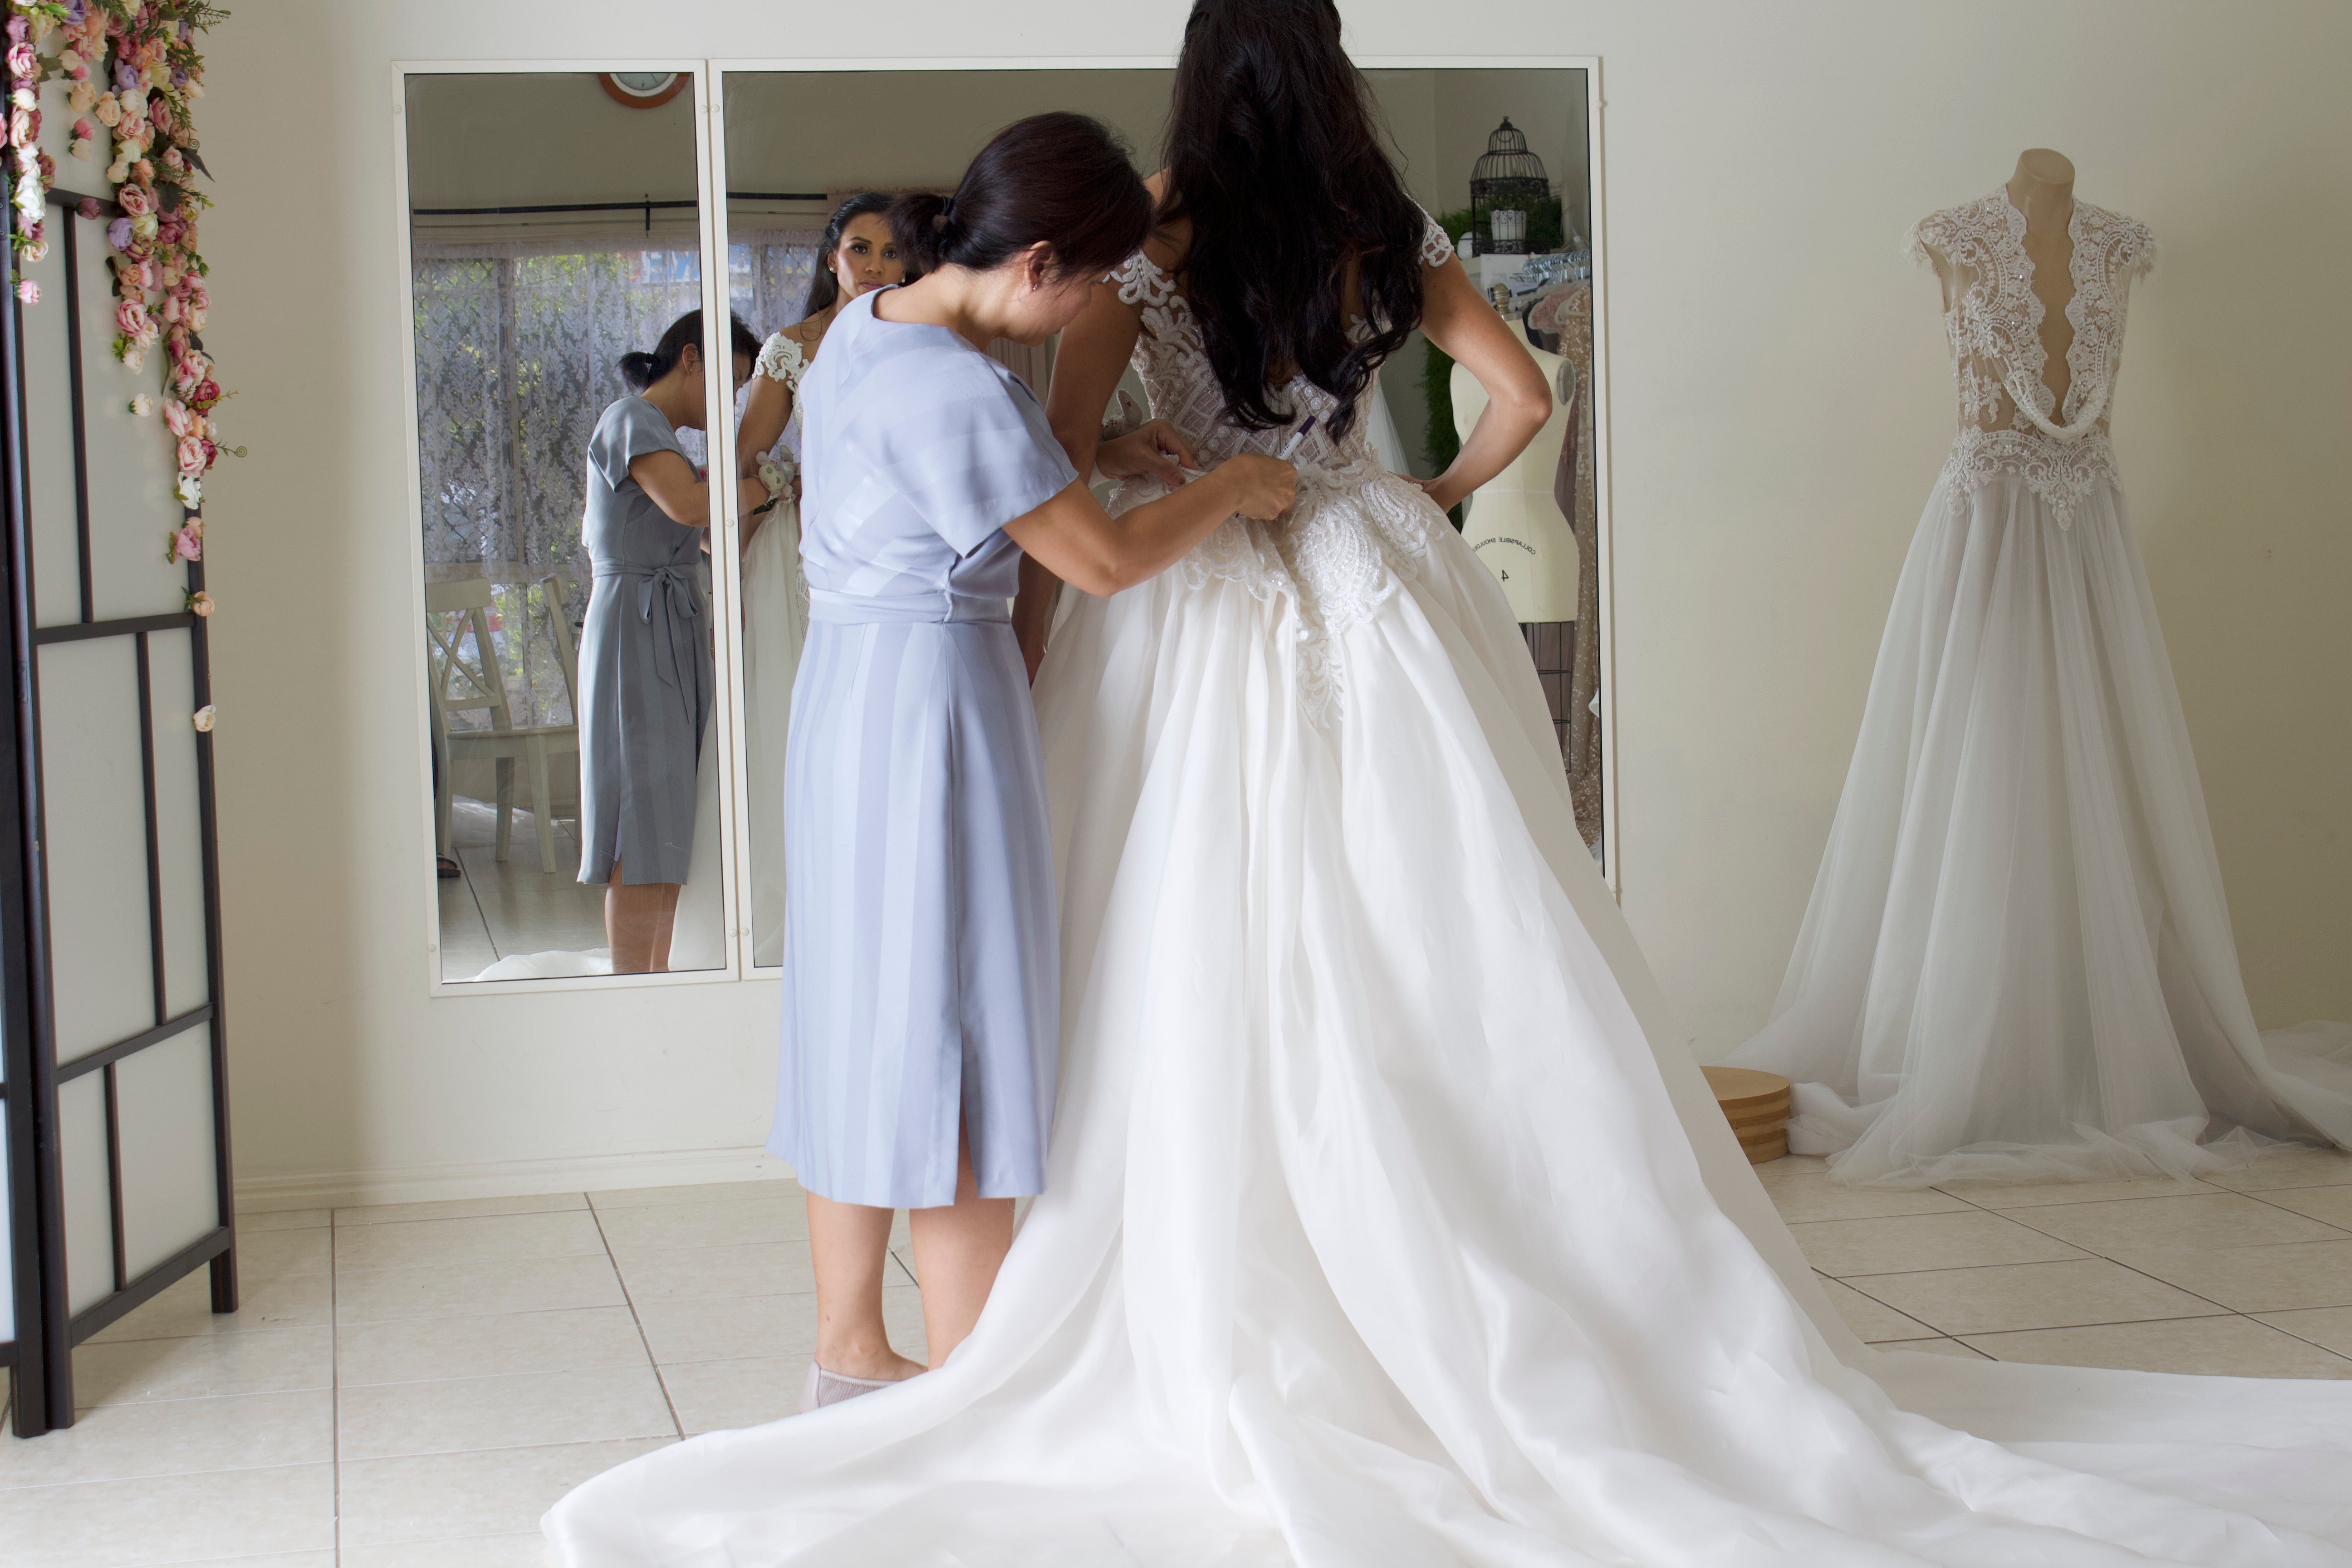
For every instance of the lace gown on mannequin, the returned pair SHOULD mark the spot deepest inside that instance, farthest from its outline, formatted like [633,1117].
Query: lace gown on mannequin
[1387,1225]
[2017,965]
[775,623]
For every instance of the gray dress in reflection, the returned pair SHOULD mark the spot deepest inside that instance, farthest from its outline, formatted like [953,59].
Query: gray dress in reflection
[645,669]
[921,984]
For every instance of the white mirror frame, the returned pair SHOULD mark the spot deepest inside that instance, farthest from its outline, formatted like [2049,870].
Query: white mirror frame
[708,79]
[707,232]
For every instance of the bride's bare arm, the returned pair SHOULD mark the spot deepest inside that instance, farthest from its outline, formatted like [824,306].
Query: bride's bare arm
[1087,367]
[767,409]
[1457,321]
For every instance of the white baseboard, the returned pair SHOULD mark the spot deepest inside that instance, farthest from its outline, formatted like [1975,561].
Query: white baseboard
[263,1193]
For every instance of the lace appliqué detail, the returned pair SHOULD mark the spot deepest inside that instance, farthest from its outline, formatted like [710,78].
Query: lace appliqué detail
[1357,531]
[2061,472]
[1355,537]
[782,359]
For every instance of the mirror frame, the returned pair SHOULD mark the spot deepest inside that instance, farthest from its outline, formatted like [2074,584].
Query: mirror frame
[708,78]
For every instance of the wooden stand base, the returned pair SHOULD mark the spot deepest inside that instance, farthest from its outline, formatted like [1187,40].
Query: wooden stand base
[1757,1106]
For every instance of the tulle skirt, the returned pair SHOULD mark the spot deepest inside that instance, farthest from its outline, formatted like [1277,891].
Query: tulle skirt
[1388,1223]
[2017,965]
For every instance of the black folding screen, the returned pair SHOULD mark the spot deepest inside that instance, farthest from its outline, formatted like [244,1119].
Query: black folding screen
[114,1082]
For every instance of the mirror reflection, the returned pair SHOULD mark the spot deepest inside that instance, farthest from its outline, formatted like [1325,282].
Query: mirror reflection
[1500,156]
[561,392]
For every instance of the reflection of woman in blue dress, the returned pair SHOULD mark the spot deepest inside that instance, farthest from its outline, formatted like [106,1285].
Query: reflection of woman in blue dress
[921,993]
[645,668]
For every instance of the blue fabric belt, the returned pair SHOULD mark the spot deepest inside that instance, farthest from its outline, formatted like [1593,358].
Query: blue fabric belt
[883,610]
[678,596]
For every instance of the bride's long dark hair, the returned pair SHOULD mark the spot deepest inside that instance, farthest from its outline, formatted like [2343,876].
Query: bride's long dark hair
[1274,155]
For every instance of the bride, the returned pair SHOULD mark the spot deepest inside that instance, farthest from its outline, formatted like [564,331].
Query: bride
[856,257]
[1385,1222]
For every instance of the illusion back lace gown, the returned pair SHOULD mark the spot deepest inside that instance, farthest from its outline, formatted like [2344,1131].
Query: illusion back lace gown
[2017,965]
[1387,1222]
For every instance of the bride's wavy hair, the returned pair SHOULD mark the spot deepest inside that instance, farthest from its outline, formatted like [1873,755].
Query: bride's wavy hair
[1274,155]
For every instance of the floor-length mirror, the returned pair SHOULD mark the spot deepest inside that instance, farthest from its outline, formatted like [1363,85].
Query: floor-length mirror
[556,273]
[1501,157]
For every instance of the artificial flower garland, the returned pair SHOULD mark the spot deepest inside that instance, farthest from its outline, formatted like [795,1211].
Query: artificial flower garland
[132,70]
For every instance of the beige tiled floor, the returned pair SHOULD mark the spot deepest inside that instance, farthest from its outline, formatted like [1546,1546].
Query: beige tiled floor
[2247,1274]
[411,1385]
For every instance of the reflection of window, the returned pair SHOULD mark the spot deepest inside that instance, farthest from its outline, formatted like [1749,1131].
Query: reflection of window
[517,345]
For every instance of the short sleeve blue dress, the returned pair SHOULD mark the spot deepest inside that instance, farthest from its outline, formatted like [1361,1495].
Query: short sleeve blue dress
[921,981]
[645,669]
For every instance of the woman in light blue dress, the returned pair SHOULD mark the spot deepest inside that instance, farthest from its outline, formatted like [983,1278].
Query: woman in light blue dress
[921,1017]
[645,673]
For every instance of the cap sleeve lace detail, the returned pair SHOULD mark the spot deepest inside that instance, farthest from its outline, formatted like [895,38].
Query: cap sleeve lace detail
[1435,248]
[782,359]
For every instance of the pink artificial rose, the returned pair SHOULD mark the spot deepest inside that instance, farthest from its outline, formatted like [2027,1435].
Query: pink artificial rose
[173,161]
[80,97]
[131,317]
[29,292]
[21,61]
[108,110]
[191,455]
[176,415]
[172,309]
[147,335]
[200,603]
[90,208]
[207,393]
[24,127]
[160,112]
[85,130]
[135,200]
[197,315]
[188,543]
[212,450]
[143,172]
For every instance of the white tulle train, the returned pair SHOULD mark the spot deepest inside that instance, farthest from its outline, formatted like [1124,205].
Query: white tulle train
[1389,1225]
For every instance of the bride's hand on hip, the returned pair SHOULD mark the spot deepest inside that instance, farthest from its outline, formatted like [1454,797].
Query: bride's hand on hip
[1265,487]
[1157,449]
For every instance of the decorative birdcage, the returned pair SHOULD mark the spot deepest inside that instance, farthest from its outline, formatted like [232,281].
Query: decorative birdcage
[1506,182]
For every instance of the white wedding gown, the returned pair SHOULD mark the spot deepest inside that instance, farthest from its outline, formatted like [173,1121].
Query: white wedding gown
[1387,1222]
[775,623]
[2017,965]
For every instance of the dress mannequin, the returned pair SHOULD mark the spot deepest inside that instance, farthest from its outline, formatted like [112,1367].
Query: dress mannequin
[1514,524]
[2042,189]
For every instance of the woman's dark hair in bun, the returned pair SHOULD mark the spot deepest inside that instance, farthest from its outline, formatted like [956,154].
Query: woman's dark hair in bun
[641,370]
[1064,179]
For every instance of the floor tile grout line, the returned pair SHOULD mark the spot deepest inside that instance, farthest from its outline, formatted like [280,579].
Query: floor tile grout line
[629,1298]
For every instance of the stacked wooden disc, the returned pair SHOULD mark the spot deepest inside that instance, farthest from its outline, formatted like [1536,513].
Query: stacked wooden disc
[1757,1106]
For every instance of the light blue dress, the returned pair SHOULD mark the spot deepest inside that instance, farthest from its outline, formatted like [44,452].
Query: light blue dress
[922,983]
[646,671]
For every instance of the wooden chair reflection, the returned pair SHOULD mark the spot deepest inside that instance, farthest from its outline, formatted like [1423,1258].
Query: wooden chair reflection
[460,610]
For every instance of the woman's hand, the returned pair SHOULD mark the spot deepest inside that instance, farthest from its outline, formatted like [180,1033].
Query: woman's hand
[1440,490]
[1156,449]
[1264,487]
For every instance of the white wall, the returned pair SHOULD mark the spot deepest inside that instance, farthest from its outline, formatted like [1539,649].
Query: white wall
[1779,404]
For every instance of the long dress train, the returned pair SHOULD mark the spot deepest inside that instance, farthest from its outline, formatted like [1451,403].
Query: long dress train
[1386,1220]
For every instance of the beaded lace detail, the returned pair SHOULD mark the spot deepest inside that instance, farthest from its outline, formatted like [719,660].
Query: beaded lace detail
[2012,422]
[1357,533]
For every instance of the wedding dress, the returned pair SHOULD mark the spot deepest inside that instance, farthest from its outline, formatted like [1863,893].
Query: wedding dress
[2017,965]
[1387,1223]
[775,623]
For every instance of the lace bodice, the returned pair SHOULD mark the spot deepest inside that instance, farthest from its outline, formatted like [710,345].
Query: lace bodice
[2011,421]
[1357,530]
[782,359]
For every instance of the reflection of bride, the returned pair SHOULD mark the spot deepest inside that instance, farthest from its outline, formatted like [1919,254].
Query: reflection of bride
[1386,1221]
[857,256]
